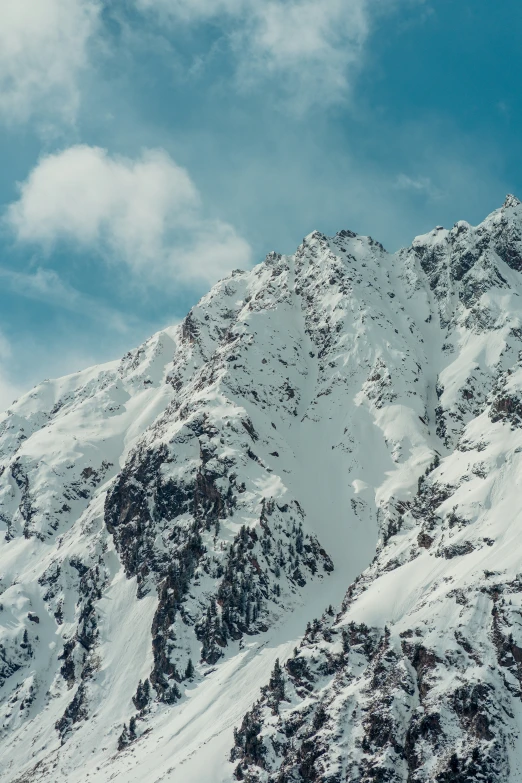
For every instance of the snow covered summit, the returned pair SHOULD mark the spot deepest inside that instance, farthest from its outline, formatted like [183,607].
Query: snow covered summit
[279,542]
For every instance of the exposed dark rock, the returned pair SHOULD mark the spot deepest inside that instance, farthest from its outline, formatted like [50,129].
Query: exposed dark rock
[75,712]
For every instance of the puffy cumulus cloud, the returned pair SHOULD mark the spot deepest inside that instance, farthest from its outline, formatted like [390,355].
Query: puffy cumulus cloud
[313,49]
[43,50]
[145,212]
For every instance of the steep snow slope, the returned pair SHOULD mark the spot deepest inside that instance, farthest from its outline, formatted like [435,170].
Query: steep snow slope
[418,677]
[173,522]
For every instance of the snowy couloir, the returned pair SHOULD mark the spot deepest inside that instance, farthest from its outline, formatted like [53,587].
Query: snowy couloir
[282,541]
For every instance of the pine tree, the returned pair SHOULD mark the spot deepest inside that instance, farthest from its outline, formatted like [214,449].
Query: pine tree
[142,698]
[123,739]
[277,683]
[171,694]
[189,671]
[26,644]
[275,690]
[248,743]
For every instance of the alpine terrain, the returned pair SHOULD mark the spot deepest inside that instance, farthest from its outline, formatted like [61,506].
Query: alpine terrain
[280,542]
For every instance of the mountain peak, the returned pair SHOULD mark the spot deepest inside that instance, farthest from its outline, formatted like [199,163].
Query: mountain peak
[511,201]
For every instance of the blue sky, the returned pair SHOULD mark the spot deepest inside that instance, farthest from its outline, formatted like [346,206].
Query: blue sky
[149,146]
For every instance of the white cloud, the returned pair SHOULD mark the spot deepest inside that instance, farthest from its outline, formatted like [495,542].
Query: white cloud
[313,49]
[145,212]
[43,50]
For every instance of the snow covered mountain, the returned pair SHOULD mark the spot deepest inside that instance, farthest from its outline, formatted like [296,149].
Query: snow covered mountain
[281,541]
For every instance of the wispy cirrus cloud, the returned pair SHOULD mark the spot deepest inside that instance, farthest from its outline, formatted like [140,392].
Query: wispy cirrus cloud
[45,285]
[419,184]
[144,212]
[312,50]
[43,51]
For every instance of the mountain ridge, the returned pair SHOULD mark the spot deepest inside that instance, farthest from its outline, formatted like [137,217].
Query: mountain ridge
[338,419]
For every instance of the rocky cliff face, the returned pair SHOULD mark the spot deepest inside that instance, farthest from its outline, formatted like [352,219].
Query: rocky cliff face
[279,542]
